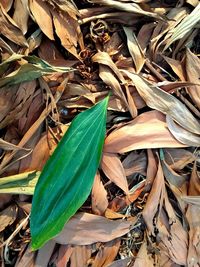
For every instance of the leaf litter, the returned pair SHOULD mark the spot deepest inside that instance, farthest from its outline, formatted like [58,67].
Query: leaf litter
[59,58]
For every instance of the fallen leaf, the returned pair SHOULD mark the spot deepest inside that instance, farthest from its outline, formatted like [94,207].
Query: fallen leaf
[85,229]
[99,196]
[134,49]
[113,169]
[42,15]
[8,216]
[166,103]
[107,253]
[148,130]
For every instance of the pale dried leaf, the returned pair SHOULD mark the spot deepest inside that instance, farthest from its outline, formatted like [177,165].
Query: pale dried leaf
[134,49]
[181,134]
[85,229]
[99,196]
[8,216]
[106,253]
[42,15]
[154,202]
[166,103]
[21,14]
[148,130]
[186,25]
[113,169]
[44,254]
[10,29]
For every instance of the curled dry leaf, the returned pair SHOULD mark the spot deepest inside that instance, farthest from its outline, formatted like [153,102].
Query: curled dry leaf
[166,103]
[148,130]
[113,169]
[186,25]
[177,159]
[10,28]
[181,134]
[85,229]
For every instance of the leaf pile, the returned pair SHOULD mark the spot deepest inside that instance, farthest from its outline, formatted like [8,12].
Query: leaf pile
[60,58]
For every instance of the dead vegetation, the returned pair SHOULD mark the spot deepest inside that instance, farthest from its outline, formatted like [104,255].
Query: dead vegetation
[59,58]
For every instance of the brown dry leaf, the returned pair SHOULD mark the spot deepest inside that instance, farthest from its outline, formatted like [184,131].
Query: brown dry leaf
[106,253]
[166,103]
[80,256]
[135,163]
[8,216]
[113,169]
[181,134]
[152,169]
[193,258]
[128,7]
[148,130]
[177,67]
[7,4]
[42,15]
[85,229]
[155,200]
[192,65]
[67,30]
[27,259]
[21,15]
[134,49]
[177,159]
[44,254]
[40,154]
[9,146]
[99,196]
[64,254]
[10,29]
[143,258]
[120,263]
[172,237]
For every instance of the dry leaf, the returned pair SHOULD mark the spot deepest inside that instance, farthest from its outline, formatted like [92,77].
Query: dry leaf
[85,229]
[8,216]
[148,130]
[113,169]
[106,253]
[42,15]
[99,196]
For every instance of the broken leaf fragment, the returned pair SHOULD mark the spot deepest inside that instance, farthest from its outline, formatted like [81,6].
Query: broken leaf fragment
[67,178]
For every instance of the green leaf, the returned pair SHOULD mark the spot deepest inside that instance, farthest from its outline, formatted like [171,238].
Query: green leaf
[33,69]
[23,183]
[67,178]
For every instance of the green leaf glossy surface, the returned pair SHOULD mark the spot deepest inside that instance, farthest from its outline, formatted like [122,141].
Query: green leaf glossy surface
[67,178]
